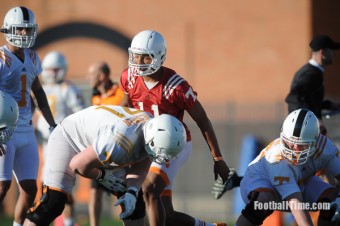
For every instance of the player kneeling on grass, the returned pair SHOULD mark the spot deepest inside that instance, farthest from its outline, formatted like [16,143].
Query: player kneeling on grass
[112,144]
[283,176]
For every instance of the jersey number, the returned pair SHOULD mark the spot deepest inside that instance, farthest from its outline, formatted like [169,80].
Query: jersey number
[154,108]
[22,102]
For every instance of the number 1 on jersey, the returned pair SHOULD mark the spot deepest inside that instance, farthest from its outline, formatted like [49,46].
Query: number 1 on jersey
[154,108]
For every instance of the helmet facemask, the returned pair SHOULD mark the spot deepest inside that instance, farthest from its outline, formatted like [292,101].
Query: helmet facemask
[157,154]
[6,133]
[14,37]
[144,69]
[150,44]
[296,152]
[53,76]
[299,134]
[54,67]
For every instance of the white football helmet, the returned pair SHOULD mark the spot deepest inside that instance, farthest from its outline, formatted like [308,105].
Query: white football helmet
[149,43]
[9,114]
[164,137]
[54,68]
[16,19]
[299,133]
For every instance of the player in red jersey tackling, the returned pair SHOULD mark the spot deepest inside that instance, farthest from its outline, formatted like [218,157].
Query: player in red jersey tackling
[151,87]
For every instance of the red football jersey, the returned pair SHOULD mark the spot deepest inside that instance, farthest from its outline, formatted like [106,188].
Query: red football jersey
[171,95]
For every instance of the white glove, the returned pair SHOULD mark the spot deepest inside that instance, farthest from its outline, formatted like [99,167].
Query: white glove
[219,188]
[114,184]
[128,202]
[336,205]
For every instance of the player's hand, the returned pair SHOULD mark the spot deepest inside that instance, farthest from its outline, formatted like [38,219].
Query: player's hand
[2,150]
[128,202]
[221,169]
[115,185]
[219,188]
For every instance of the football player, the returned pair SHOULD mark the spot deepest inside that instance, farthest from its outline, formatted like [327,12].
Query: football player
[19,69]
[154,88]
[104,91]
[98,138]
[64,98]
[285,172]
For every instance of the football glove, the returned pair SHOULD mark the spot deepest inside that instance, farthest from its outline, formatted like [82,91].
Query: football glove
[110,182]
[219,188]
[128,202]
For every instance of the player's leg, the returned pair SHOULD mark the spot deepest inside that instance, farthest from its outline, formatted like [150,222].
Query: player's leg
[25,172]
[159,181]
[6,166]
[68,212]
[157,190]
[152,188]
[95,203]
[48,208]
[318,191]
[252,216]
[59,180]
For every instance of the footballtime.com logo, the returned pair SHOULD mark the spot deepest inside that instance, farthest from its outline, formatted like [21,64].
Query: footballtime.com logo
[289,205]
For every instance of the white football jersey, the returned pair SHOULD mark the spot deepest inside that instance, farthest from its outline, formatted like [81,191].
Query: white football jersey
[17,78]
[286,177]
[63,99]
[115,133]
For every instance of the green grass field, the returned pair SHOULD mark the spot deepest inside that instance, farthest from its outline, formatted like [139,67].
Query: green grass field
[82,221]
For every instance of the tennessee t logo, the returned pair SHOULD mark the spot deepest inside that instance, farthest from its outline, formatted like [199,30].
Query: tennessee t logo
[281,179]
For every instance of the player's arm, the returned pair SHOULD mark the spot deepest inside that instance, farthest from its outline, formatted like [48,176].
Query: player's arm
[87,164]
[199,115]
[126,101]
[42,102]
[137,173]
[301,216]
